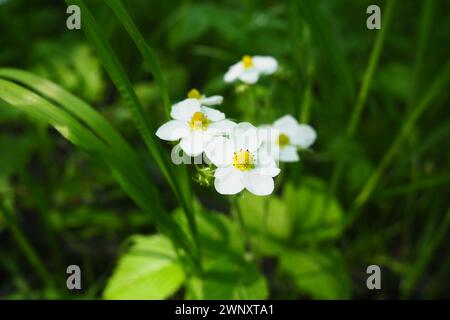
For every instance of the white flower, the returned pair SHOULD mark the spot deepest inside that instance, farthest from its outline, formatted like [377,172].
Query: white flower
[250,68]
[195,125]
[285,136]
[241,162]
[204,100]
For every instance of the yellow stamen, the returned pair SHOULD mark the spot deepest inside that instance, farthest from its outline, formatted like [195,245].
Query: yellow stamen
[194,94]
[247,61]
[243,160]
[283,140]
[198,121]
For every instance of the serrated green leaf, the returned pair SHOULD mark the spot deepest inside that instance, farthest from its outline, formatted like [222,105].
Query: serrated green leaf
[227,274]
[268,221]
[318,215]
[219,235]
[319,273]
[148,270]
[228,280]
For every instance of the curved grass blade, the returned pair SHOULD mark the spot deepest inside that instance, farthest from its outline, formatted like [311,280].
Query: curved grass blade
[146,51]
[131,180]
[118,76]
[323,34]
[149,57]
[435,88]
[26,247]
[355,117]
[73,105]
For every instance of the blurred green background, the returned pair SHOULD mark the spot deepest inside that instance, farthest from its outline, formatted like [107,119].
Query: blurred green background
[69,209]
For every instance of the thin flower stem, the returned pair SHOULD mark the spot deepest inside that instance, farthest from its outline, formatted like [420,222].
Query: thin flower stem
[26,247]
[306,103]
[264,219]
[252,102]
[307,94]
[365,86]
[237,212]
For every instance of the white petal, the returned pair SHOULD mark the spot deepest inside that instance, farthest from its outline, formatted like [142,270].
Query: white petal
[265,65]
[220,151]
[269,149]
[223,126]
[269,171]
[212,114]
[222,173]
[258,184]
[289,154]
[245,137]
[249,76]
[210,101]
[234,72]
[228,180]
[194,144]
[244,126]
[266,164]
[173,130]
[184,110]
[305,136]
[267,133]
[287,125]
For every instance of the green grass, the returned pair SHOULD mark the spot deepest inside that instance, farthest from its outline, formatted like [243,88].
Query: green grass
[84,178]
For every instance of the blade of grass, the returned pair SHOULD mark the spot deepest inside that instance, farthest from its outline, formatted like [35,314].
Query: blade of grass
[425,25]
[16,275]
[424,31]
[146,51]
[307,97]
[149,57]
[371,66]
[434,182]
[133,181]
[117,74]
[426,21]
[435,88]
[300,40]
[365,86]
[76,107]
[324,35]
[26,247]
[432,140]
[79,109]
[424,255]
[82,110]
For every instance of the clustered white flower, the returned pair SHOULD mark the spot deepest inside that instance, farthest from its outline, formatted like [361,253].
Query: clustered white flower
[285,137]
[249,69]
[245,157]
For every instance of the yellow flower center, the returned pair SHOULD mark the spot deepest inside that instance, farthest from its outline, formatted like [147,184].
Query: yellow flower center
[243,160]
[198,121]
[194,94]
[283,140]
[247,61]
